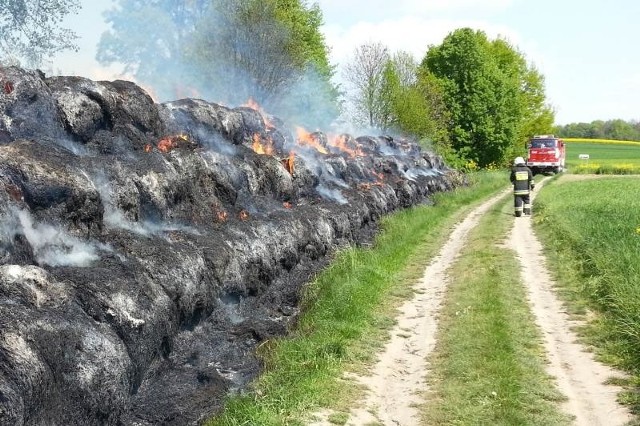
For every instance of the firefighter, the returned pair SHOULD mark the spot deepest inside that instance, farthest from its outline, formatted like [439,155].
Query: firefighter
[523,184]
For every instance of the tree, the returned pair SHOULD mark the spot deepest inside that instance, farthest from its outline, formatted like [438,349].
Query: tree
[365,75]
[391,93]
[535,116]
[228,50]
[31,29]
[433,123]
[412,101]
[150,38]
[611,129]
[494,97]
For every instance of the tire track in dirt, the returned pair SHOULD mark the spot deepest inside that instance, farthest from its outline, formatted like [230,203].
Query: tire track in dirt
[578,376]
[400,373]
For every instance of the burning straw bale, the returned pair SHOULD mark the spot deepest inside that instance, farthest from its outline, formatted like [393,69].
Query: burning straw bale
[147,249]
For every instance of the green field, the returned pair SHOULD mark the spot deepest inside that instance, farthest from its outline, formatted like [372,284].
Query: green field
[591,229]
[605,157]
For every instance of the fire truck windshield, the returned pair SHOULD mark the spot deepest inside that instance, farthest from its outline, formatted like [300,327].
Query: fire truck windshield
[542,143]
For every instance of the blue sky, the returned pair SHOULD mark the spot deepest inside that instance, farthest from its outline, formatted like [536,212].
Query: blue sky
[587,50]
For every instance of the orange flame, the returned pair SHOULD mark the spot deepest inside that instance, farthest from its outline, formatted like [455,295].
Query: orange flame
[251,103]
[243,215]
[168,143]
[148,148]
[340,142]
[259,148]
[165,145]
[306,139]
[288,163]
[287,205]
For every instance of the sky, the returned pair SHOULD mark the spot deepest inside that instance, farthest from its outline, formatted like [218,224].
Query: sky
[586,50]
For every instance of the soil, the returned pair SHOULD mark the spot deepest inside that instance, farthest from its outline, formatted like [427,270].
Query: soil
[394,382]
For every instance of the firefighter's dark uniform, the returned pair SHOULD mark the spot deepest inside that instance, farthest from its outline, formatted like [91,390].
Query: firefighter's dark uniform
[522,180]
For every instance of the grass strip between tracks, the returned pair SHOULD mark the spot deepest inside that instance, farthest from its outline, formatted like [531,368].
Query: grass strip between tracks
[347,314]
[488,365]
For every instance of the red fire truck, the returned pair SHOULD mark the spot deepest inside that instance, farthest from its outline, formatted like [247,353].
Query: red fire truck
[546,153]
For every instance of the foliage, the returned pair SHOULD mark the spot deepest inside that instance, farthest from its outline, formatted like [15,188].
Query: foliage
[431,117]
[389,96]
[495,99]
[537,117]
[228,50]
[31,29]
[347,313]
[417,105]
[390,93]
[598,129]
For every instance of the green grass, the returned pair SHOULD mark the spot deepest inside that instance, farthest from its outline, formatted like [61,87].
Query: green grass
[604,158]
[488,366]
[347,314]
[592,231]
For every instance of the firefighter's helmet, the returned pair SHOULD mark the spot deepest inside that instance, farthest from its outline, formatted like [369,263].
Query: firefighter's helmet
[518,160]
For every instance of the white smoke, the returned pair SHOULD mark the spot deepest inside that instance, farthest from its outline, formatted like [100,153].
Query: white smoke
[216,142]
[115,217]
[331,194]
[53,246]
[74,147]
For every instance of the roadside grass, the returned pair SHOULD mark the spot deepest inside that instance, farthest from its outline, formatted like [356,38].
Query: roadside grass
[347,313]
[605,157]
[488,366]
[591,229]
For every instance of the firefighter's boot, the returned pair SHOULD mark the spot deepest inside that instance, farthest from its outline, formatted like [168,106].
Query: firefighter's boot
[518,206]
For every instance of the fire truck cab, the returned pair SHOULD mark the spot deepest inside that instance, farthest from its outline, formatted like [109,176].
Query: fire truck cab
[546,153]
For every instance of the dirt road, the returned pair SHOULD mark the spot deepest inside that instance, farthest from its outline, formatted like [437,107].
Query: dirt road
[402,367]
[578,376]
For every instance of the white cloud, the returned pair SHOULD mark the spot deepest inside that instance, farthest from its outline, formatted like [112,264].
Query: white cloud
[366,8]
[422,6]
[410,34]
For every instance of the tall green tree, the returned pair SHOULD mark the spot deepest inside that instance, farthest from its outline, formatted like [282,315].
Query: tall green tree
[31,30]
[535,115]
[494,97]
